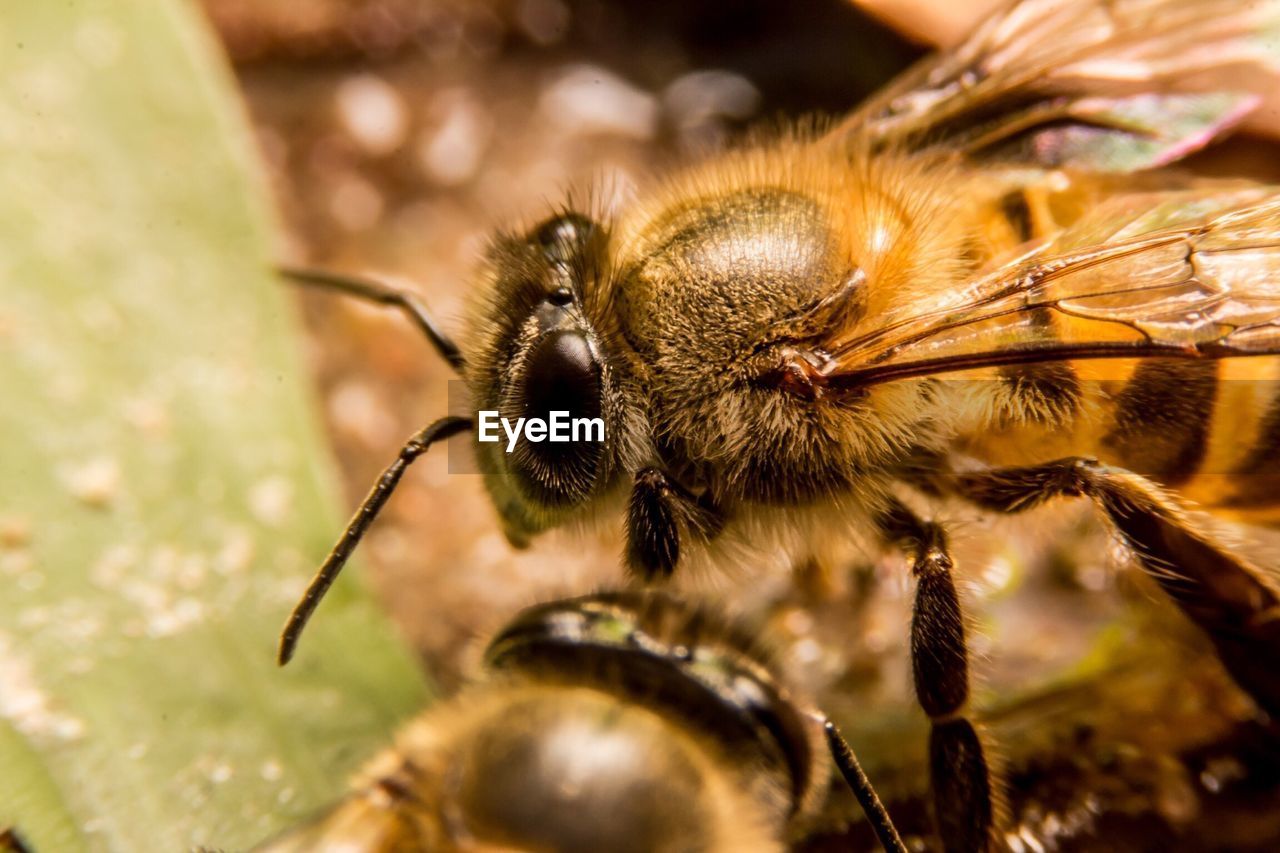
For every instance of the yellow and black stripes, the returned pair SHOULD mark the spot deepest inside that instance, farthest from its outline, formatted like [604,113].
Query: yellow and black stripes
[1163,419]
[1255,480]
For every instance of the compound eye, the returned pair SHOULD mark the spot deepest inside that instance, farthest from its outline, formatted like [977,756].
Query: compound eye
[562,237]
[562,375]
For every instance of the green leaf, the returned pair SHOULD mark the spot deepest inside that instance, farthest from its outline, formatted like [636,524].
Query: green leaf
[164,491]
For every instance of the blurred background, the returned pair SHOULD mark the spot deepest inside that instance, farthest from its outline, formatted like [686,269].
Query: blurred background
[395,136]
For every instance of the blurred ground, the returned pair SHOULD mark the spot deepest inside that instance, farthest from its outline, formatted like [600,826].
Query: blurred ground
[398,134]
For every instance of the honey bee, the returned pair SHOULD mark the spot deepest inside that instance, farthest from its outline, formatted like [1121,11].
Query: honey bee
[981,286]
[618,721]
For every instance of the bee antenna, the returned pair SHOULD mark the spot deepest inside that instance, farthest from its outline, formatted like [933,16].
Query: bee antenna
[383,293]
[364,516]
[858,782]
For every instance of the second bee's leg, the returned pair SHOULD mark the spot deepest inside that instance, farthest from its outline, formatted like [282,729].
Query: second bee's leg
[1234,602]
[959,771]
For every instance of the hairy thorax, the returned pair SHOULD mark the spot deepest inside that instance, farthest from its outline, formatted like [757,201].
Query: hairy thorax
[730,273]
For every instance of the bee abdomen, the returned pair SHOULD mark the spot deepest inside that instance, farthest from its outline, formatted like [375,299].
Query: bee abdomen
[1049,393]
[1016,213]
[1163,419]
[1209,428]
[1255,480]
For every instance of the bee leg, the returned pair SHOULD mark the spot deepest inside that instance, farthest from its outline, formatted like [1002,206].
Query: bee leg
[959,771]
[659,511]
[1231,600]
[359,524]
[371,290]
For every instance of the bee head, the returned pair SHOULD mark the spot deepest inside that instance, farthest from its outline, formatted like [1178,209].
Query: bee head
[541,379]
[701,672]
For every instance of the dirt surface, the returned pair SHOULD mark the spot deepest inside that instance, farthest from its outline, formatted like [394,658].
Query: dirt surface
[399,134]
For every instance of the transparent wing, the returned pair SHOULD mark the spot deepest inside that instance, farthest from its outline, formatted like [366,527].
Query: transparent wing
[1107,85]
[1169,274]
